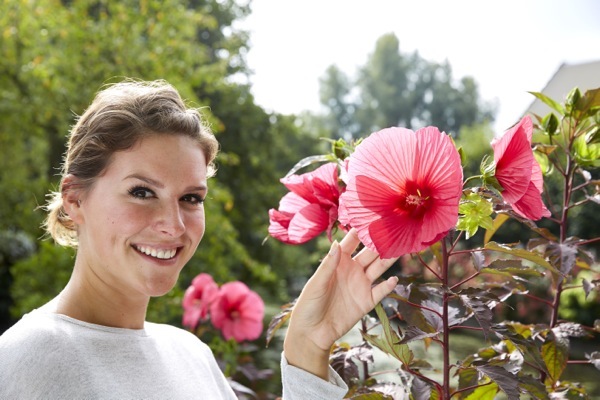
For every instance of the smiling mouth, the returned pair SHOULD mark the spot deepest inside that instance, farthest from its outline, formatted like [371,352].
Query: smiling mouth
[161,254]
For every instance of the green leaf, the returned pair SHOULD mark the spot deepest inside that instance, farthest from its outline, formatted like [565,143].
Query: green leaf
[485,392]
[512,267]
[306,161]
[589,101]
[497,223]
[475,212]
[467,377]
[544,163]
[506,381]
[550,124]
[521,253]
[389,343]
[548,101]
[279,320]
[555,356]
[586,155]
[534,387]
[573,98]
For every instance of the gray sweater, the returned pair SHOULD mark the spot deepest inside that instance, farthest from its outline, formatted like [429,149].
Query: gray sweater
[52,356]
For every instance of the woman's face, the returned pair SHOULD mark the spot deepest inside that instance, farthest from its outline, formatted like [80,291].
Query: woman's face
[143,218]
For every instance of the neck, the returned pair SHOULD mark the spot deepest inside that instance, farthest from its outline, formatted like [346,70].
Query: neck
[86,301]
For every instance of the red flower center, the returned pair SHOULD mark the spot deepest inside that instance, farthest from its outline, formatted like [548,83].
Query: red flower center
[414,201]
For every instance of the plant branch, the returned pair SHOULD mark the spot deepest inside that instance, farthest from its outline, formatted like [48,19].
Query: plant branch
[472,328]
[584,242]
[428,267]
[421,307]
[534,297]
[465,280]
[455,242]
[445,319]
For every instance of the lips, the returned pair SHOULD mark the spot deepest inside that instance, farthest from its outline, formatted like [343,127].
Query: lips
[162,254]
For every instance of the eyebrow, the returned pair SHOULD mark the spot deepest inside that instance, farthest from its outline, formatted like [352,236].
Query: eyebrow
[159,185]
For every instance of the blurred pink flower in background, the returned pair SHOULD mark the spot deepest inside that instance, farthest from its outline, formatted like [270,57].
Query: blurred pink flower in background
[197,299]
[310,208]
[403,190]
[518,172]
[238,312]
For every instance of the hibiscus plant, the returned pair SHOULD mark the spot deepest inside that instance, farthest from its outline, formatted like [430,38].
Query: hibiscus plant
[405,194]
[235,313]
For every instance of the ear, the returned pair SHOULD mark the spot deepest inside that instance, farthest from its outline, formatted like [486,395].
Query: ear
[72,196]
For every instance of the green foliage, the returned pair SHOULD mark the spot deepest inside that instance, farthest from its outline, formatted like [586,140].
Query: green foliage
[39,278]
[445,292]
[396,89]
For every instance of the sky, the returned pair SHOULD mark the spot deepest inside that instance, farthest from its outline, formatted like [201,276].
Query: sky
[510,47]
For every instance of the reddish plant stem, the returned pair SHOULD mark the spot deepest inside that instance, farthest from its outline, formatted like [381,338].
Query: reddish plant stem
[569,172]
[455,242]
[472,328]
[422,307]
[584,242]
[445,318]
[428,267]
[467,279]
[531,296]
[365,365]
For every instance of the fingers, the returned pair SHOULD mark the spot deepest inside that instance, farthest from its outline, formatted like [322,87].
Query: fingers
[327,267]
[383,289]
[350,242]
[378,267]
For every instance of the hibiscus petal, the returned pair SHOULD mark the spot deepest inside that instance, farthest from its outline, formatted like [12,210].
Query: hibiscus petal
[246,329]
[531,205]
[437,164]
[395,235]
[291,203]
[403,189]
[536,176]
[387,155]
[307,224]
[514,160]
[278,225]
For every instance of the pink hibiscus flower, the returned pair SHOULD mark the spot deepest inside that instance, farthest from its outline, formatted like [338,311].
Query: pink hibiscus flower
[238,312]
[403,190]
[197,300]
[518,172]
[310,208]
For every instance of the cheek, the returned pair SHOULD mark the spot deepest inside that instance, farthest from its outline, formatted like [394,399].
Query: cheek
[127,219]
[195,225]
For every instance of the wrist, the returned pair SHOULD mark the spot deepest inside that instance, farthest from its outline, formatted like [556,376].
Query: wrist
[303,353]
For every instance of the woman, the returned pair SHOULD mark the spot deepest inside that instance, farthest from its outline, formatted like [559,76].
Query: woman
[131,200]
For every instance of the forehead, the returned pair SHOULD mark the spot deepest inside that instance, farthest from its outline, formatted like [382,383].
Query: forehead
[170,156]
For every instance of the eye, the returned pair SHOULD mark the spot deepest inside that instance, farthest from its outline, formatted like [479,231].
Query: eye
[141,192]
[193,199]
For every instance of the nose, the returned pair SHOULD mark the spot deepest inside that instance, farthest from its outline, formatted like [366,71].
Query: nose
[169,219]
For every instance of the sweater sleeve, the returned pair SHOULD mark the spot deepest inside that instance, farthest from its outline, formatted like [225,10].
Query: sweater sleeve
[302,385]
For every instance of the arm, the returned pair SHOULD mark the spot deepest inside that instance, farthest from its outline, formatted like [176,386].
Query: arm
[334,299]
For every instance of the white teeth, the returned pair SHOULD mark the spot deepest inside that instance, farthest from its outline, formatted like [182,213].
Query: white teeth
[162,254]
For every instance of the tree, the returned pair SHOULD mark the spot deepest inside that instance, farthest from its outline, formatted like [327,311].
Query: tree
[54,56]
[396,89]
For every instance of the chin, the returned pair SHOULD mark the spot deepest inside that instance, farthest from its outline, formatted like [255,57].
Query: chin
[160,288]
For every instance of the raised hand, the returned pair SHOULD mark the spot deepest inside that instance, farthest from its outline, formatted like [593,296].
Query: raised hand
[334,299]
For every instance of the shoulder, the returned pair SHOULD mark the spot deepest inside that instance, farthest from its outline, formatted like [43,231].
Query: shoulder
[169,334]
[32,330]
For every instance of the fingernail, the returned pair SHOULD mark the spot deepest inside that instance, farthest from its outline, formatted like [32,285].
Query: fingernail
[335,247]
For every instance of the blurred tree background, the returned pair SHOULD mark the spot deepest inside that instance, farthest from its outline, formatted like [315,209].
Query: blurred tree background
[55,55]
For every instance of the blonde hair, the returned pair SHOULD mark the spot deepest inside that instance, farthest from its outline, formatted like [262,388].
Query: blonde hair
[121,115]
